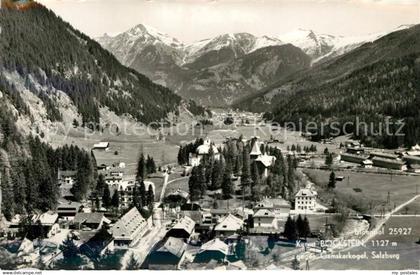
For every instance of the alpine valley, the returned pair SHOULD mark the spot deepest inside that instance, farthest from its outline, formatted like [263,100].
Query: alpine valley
[219,71]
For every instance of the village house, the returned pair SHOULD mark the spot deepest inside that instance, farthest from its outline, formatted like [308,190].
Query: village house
[67,210]
[99,245]
[125,188]
[129,228]
[214,250]
[305,200]
[277,205]
[66,180]
[202,153]
[89,221]
[101,146]
[228,226]
[264,221]
[193,211]
[266,162]
[183,229]
[168,255]
[45,225]
[66,177]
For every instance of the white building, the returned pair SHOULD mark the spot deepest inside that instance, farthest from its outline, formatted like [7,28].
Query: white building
[265,218]
[203,151]
[126,189]
[305,200]
[101,146]
[130,228]
[228,226]
[266,161]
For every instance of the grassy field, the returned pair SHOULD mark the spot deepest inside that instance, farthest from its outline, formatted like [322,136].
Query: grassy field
[369,188]
[405,246]
[411,209]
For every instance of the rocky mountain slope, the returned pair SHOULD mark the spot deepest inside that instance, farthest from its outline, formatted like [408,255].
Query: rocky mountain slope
[213,71]
[64,70]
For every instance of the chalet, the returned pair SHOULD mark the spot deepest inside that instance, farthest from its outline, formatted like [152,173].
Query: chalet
[353,158]
[193,211]
[266,162]
[218,214]
[168,255]
[45,224]
[183,229]
[383,155]
[101,146]
[67,210]
[214,250]
[228,225]
[99,245]
[129,228]
[92,221]
[264,220]
[389,163]
[305,199]
[277,205]
[66,177]
[203,151]
[66,180]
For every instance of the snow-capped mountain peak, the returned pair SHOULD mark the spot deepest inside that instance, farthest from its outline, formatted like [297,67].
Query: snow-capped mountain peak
[312,43]
[143,30]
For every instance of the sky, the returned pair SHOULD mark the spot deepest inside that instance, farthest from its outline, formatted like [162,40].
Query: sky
[193,20]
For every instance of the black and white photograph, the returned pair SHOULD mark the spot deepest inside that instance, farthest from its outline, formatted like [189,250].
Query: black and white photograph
[198,135]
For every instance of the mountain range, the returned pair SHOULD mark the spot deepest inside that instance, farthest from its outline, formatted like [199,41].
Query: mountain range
[376,82]
[218,71]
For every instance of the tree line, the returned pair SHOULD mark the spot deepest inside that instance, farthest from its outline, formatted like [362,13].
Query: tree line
[233,162]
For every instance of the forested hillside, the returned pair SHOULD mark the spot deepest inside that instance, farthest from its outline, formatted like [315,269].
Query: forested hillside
[375,82]
[48,52]
[29,169]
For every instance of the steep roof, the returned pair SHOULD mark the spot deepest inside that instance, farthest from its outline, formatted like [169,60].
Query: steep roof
[256,151]
[266,160]
[47,218]
[174,246]
[306,192]
[185,223]
[205,149]
[229,223]
[128,224]
[264,213]
[89,217]
[215,245]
